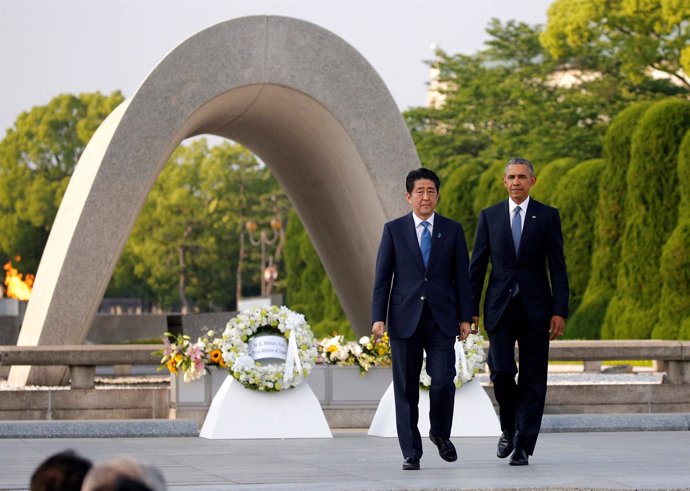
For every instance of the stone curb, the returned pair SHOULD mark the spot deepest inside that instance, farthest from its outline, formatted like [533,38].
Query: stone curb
[139,428]
[571,423]
[98,428]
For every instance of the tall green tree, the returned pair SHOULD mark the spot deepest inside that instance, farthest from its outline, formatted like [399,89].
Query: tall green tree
[37,158]
[490,189]
[674,306]
[622,39]
[574,198]
[505,101]
[651,207]
[309,289]
[549,177]
[457,197]
[609,222]
[186,242]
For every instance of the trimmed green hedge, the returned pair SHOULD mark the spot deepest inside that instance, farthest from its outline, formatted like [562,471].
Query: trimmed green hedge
[574,199]
[457,198]
[548,178]
[651,210]
[609,224]
[490,189]
[674,308]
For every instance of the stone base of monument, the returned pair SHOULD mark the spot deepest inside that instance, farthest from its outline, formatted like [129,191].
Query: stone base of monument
[473,415]
[240,413]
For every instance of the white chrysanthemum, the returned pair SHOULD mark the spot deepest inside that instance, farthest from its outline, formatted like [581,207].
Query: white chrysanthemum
[267,377]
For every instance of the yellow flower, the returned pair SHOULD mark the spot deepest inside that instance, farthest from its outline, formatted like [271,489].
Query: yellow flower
[332,348]
[172,366]
[215,356]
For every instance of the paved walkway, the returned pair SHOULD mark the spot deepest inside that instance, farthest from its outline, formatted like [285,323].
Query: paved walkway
[354,461]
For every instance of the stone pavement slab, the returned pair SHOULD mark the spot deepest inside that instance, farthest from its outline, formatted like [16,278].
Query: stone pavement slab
[354,461]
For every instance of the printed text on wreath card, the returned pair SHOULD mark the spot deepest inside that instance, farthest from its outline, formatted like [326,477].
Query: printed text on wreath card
[268,347]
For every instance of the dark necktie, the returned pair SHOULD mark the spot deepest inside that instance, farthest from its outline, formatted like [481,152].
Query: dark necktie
[517,231]
[425,243]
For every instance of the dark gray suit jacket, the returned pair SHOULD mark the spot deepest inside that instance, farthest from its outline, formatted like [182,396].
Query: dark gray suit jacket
[544,289]
[402,284]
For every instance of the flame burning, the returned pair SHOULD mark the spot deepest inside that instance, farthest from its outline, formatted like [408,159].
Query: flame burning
[15,285]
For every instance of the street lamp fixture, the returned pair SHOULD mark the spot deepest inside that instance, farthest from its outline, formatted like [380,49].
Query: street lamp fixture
[269,272]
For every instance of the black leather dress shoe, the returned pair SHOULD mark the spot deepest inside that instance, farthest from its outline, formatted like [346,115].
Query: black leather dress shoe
[505,445]
[411,464]
[446,449]
[519,457]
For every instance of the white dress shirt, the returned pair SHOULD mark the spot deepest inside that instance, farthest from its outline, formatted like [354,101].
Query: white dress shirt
[523,212]
[419,228]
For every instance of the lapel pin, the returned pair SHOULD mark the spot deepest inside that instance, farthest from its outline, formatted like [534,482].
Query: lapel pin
[534,216]
[438,236]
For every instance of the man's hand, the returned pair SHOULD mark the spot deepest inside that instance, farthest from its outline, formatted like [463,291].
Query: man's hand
[557,327]
[377,329]
[464,330]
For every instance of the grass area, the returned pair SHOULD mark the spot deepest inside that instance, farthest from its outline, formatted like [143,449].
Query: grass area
[632,363]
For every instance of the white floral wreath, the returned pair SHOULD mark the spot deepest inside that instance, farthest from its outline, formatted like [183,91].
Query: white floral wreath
[301,355]
[469,359]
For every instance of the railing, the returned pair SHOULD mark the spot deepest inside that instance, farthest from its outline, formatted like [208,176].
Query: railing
[674,356]
[81,359]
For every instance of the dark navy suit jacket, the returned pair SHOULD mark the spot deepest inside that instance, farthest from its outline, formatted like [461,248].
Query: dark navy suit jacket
[541,243]
[402,284]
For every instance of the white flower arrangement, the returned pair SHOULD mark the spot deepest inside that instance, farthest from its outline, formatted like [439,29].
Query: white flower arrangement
[365,353]
[275,320]
[471,351]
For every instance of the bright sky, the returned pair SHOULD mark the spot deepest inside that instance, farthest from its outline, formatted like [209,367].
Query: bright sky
[48,47]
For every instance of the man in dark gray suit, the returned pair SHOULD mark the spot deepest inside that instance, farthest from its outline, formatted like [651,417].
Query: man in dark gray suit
[422,289]
[525,302]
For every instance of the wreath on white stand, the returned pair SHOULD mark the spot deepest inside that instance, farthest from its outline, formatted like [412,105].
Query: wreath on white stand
[469,360]
[300,355]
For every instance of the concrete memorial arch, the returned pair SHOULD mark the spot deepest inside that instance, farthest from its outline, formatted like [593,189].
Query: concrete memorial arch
[303,100]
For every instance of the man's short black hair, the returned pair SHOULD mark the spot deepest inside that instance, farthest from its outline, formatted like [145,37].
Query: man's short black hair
[64,471]
[421,173]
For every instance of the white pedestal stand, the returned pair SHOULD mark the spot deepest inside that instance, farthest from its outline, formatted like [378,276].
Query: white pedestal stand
[473,415]
[240,413]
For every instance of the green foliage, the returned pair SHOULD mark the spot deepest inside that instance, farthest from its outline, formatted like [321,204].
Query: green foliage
[457,197]
[490,189]
[674,307]
[37,158]
[185,244]
[622,39]
[651,207]
[308,288]
[574,198]
[505,101]
[609,225]
[546,187]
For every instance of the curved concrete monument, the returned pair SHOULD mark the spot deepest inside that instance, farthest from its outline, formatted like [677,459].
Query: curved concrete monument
[303,100]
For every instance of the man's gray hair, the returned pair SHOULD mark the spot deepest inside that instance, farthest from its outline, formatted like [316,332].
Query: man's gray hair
[519,161]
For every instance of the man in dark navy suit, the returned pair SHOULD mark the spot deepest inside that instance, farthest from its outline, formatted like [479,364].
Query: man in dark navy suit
[525,302]
[422,288]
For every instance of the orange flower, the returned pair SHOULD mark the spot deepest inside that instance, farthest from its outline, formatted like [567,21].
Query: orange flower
[172,366]
[216,357]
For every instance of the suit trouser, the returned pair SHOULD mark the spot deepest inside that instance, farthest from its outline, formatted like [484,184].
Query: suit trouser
[521,403]
[407,355]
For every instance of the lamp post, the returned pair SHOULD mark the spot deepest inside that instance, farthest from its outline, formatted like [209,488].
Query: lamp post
[268,271]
